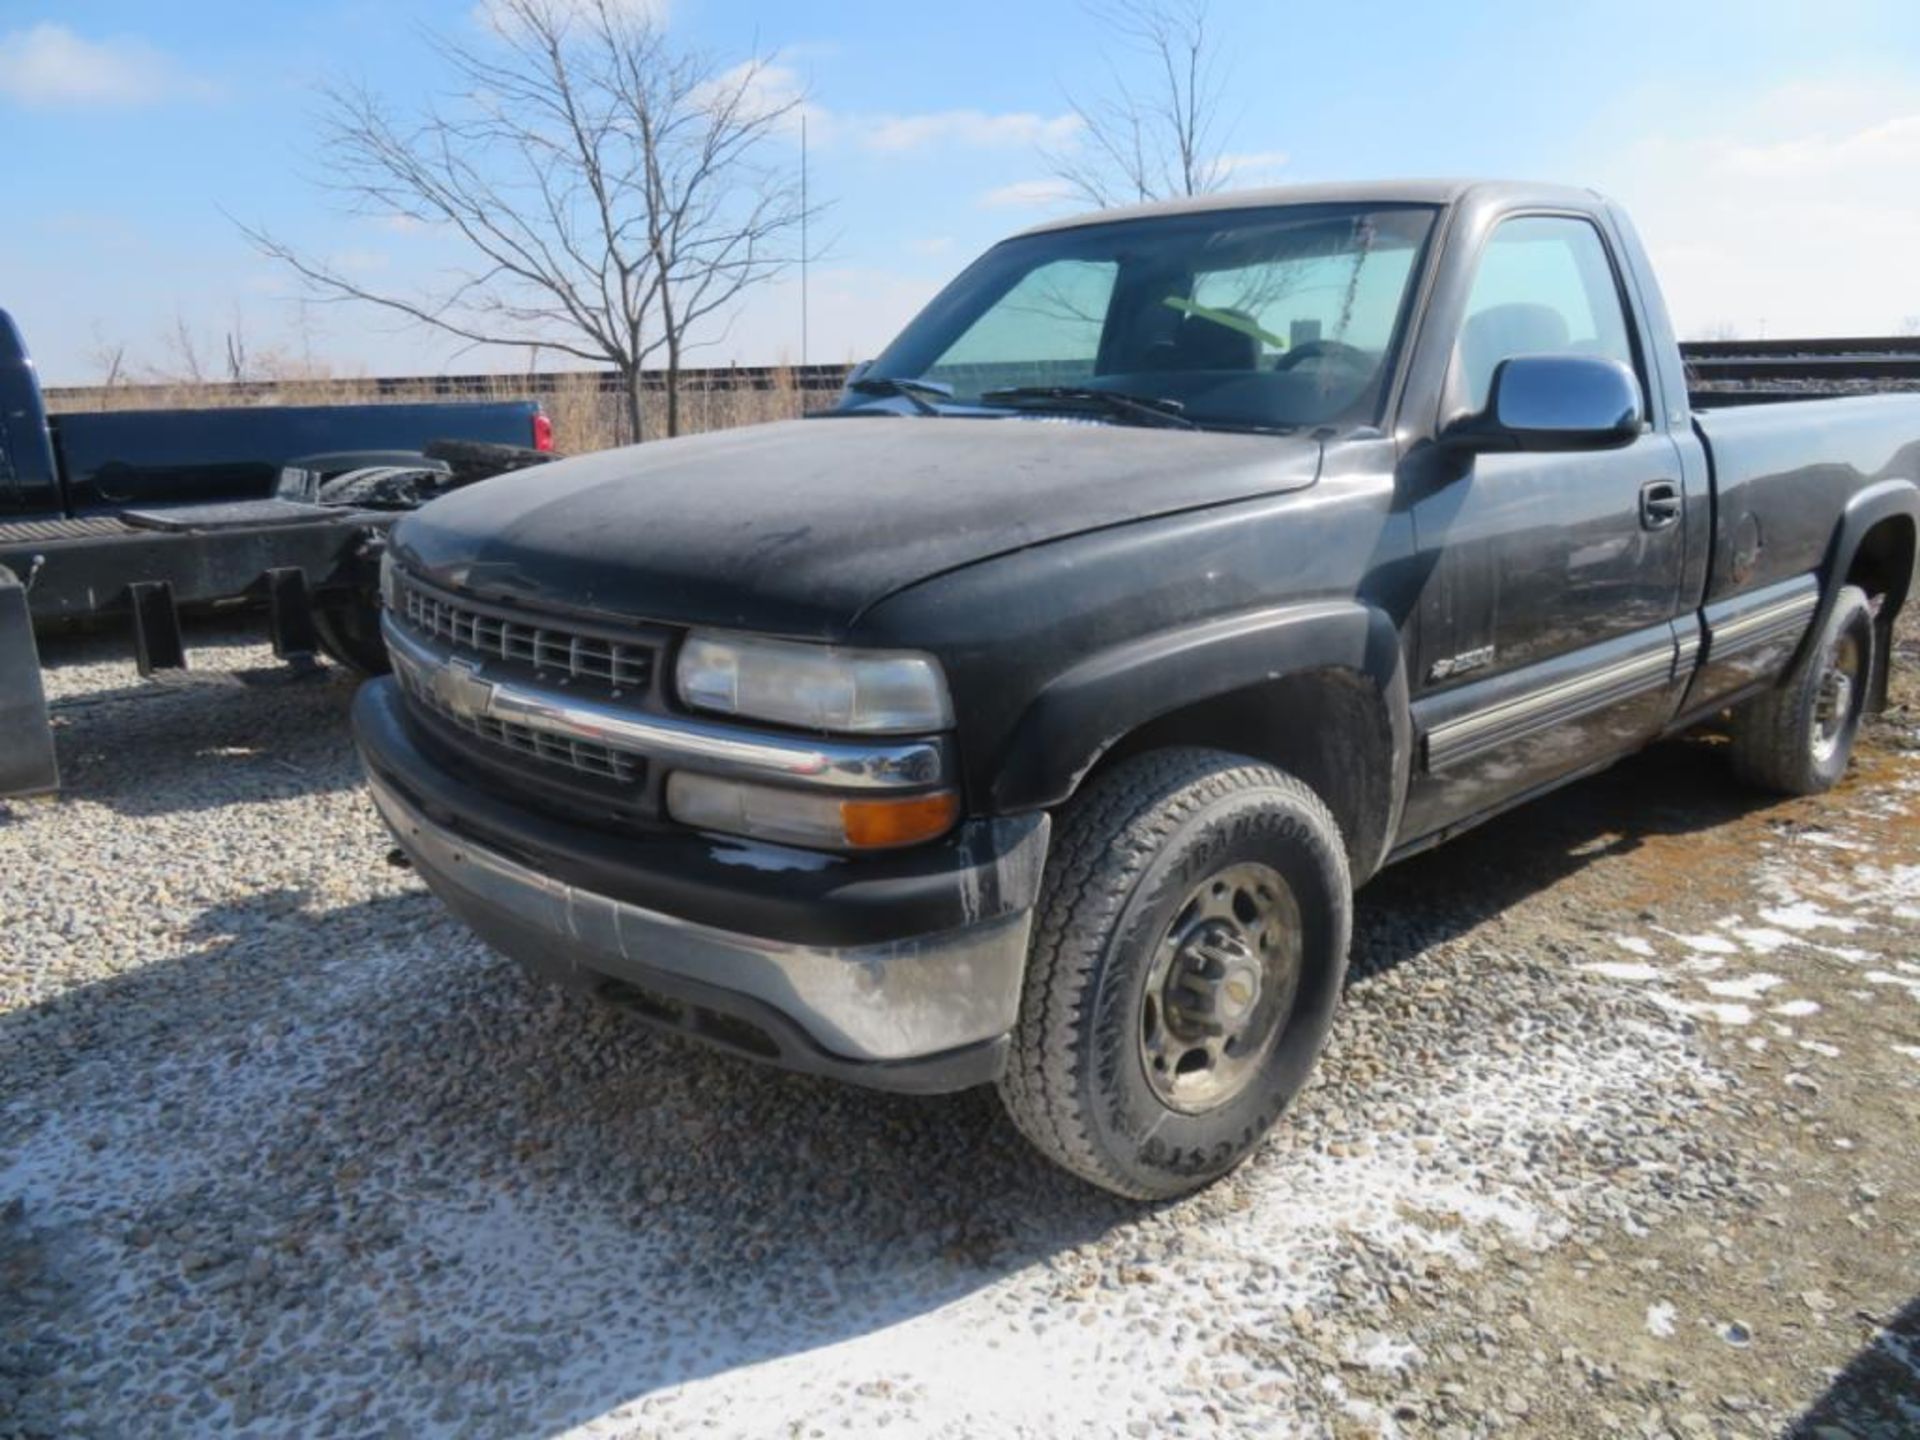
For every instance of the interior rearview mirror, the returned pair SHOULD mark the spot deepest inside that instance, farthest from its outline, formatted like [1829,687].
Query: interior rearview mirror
[1554,402]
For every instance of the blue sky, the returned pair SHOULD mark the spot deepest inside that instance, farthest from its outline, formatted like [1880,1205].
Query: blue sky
[1770,149]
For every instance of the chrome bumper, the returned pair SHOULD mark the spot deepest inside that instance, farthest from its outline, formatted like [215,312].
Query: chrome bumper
[900,1000]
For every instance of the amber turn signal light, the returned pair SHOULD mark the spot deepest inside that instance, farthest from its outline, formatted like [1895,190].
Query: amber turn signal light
[879,824]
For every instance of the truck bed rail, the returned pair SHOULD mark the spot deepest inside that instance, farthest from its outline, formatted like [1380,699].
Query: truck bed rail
[1761,372]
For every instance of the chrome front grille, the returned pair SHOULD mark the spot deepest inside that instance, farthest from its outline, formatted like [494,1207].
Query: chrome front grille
[583,756]
[619,666]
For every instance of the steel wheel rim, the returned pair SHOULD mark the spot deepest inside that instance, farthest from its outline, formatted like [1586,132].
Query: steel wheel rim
[1836,698]
[1222,984]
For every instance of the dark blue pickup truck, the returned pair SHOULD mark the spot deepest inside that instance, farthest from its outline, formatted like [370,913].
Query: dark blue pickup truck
[139,512]
[1029,718]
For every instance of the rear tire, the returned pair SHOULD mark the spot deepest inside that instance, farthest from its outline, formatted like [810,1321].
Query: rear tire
[1188,951]
[1798,738]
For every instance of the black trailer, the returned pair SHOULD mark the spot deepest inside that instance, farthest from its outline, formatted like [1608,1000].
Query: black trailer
[135,515]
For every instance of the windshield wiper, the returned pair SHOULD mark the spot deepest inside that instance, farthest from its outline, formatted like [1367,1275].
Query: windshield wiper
[915,390]
[1153,409]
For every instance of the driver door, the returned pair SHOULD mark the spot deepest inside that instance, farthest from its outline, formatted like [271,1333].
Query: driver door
[1545,643]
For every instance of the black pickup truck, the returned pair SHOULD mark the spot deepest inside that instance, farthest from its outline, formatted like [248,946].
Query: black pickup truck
[1030,717]
[136,512]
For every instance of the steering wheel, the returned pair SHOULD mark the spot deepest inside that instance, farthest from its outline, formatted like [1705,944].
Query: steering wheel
[1336,351]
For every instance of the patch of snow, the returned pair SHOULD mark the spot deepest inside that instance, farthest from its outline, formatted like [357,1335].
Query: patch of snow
[1905,982]
[1803,915]
[1763,940]
[1362,1412]
[1820,1047]
[1851,954]
[1797,1009]
[1634,945]
[1827,841]
[1623,970]
[1705,944]
[1747,987]
[1660,1319]
[1726,1012]
[1375,1351]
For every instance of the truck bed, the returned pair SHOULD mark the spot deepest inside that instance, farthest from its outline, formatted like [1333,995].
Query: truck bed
[119,458]
[1793,466]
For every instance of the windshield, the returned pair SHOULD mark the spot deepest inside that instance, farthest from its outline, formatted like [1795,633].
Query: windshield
[1278,317]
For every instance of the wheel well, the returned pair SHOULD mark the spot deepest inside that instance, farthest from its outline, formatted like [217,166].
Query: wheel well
[1329,728]
[1883,567]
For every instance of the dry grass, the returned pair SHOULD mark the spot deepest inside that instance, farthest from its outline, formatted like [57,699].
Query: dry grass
[584,418]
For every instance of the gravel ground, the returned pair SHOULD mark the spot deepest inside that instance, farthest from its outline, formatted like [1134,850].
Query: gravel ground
[1615,1136]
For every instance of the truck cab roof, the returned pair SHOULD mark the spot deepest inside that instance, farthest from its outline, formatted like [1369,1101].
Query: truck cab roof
[1501,194]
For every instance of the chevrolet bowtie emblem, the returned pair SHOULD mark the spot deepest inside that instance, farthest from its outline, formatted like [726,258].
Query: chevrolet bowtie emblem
[458,687]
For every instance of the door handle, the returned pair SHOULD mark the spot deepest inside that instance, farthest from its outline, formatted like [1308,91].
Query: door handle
[1660,504]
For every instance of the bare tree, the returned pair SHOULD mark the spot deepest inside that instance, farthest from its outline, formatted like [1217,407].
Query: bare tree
[109,357]
[239,356]
[610,189]
[1160,136]
[184,347]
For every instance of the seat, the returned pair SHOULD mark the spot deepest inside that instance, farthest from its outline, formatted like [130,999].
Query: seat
[1499,333]
[1203,344]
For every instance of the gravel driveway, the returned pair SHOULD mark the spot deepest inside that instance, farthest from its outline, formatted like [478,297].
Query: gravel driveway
[1616,1136]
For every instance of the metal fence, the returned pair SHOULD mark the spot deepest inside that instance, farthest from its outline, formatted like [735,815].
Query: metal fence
[1743,364]
[809,380]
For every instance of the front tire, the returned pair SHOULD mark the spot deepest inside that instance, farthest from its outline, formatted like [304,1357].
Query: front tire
[1189,948]
[1798,738]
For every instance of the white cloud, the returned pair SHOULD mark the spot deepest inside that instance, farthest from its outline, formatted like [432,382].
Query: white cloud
[766,88]
[47,65]
[778,85]
[361,261]
[1252,167]
[892,134]
[1797,218]
[497,15]
[1891,144]
[1027,195]
[853,311]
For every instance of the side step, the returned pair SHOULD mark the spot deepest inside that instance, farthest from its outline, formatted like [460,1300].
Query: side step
[27,764]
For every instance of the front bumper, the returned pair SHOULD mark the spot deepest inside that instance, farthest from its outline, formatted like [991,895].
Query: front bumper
[900,971]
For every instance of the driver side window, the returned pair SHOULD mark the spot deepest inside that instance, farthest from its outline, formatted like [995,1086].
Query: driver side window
[1545,286]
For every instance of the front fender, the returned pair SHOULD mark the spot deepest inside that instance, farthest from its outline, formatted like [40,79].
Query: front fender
[1084,712]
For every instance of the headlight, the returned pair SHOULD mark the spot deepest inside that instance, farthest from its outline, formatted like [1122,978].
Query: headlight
[389,585]
[817,687]
[798,817]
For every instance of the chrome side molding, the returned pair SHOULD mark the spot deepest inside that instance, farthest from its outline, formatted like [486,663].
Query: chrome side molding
[1568,699]
[1779,612]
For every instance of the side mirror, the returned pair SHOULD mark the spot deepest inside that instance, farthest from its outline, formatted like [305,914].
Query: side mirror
[1554,402]
[846,385]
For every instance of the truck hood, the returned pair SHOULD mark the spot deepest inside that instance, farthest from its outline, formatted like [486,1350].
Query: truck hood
[795,528]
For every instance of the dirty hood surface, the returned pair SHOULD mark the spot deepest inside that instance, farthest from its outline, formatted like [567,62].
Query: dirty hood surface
[795,528]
